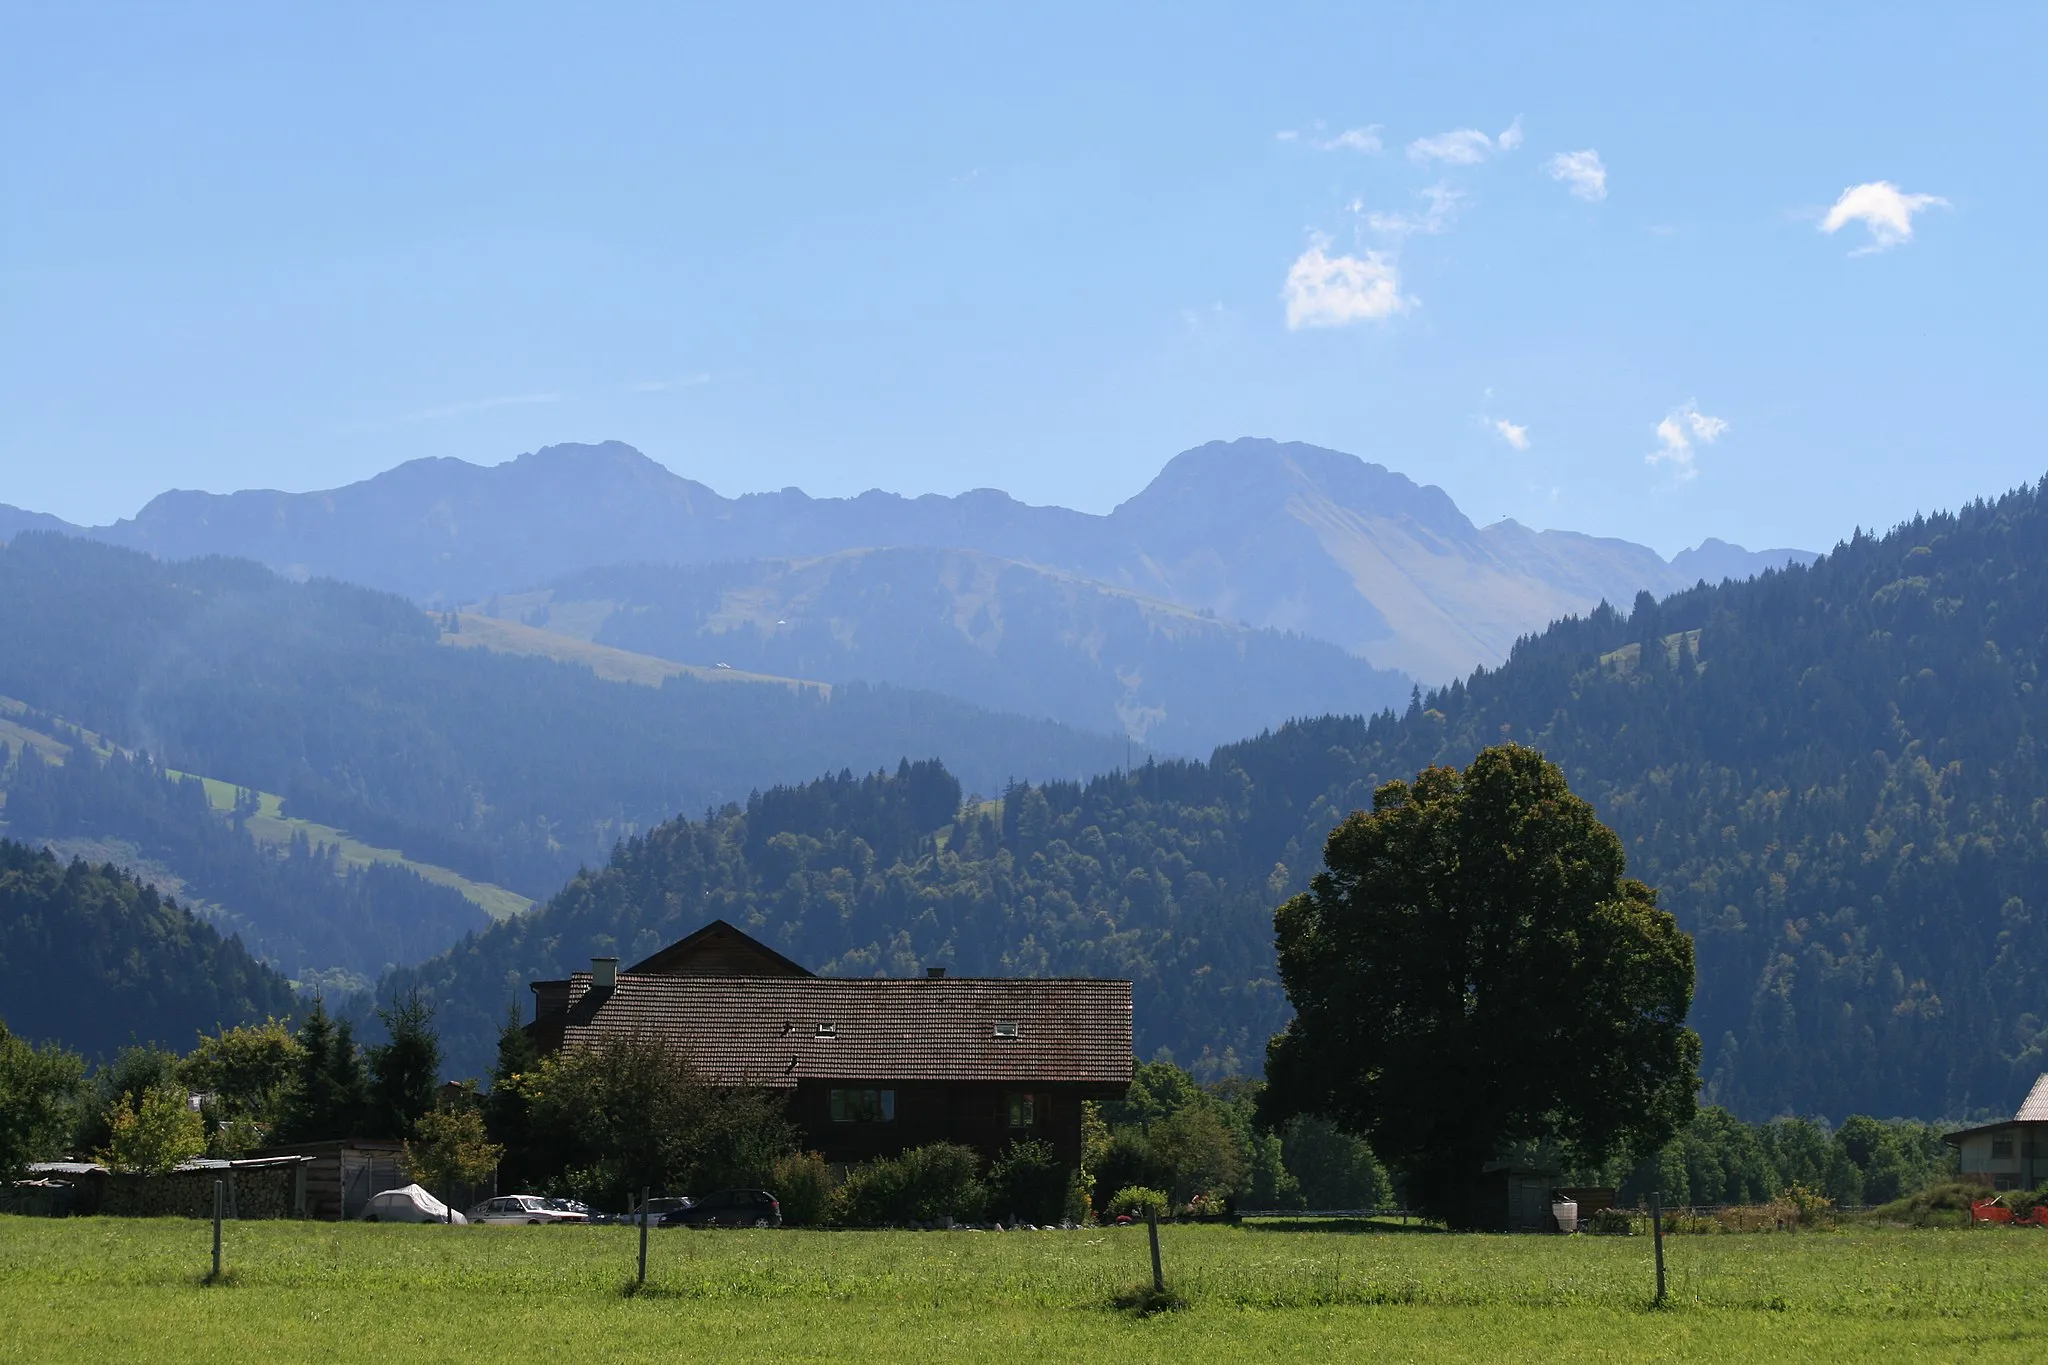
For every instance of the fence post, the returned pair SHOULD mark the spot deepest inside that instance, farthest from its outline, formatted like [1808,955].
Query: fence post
[1152,1227]
[643,1235]
[1657,1240]
[218,1190]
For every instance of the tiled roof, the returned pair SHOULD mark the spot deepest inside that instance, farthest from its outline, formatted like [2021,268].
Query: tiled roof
[2034,1108]
[774,1030]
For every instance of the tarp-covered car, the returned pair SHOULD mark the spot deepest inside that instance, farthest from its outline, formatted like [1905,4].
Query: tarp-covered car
[410,1204]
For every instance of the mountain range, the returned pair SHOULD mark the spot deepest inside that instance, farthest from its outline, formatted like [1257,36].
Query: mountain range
[1266,534]
[1833,775]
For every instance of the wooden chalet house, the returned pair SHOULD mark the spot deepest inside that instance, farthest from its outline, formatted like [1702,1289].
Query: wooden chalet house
[872,1066]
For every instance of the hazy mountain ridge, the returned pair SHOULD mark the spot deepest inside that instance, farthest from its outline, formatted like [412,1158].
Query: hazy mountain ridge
[1280,535]
[1006,634]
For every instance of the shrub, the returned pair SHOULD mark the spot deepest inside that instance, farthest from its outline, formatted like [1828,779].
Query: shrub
[1809,1207]
[158,1132]
[1029,1182]
[925,1185]
[1129,1159]
[1135,1199]
[1609,1223]
[803,1183]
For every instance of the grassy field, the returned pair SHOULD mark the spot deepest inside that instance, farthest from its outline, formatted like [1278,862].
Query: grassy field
[614,665]
[106,1289]
[270,825]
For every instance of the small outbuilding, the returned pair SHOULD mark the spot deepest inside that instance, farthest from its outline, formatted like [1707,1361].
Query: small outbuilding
[2011,1154]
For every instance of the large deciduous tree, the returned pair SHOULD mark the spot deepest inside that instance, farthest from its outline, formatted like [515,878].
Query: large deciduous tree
[1474,970]
[41,1089]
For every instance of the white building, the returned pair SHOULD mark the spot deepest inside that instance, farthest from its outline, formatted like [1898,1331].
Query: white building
[2012,1155]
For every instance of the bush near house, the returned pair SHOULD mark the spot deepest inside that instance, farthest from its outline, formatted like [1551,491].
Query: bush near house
[803,1183]
[1135,1200]
[927,1184]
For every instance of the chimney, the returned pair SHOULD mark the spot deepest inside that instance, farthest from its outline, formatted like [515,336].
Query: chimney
[935,973]
[604,975]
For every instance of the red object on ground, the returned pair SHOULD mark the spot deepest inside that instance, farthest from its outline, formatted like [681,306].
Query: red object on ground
[1996,1210]
[1989,1211]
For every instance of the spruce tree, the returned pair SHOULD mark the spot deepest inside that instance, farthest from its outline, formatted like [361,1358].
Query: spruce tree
[506,1109]
[327,1100]
[405,1071]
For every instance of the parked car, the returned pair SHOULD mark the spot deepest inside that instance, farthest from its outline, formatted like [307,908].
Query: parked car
[523,1208]
[590,1215]
[409,1204]
[666,1212]
[732,1209]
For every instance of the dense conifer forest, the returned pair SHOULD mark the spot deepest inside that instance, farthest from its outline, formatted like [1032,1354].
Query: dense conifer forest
[1832,774]
[96,959]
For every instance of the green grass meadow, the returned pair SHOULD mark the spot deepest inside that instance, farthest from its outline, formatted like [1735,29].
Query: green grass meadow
[101,1289]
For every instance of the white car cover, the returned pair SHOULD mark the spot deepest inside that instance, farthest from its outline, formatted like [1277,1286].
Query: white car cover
[410,1204]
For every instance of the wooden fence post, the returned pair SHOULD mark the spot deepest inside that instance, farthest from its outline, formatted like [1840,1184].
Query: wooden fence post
[219,1190]
[1657,1240]
[1152,1227]
[643,1236]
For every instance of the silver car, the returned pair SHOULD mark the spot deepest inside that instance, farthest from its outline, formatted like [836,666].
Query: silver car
[523,1208]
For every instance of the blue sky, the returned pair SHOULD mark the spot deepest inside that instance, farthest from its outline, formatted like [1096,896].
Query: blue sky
[1039,248]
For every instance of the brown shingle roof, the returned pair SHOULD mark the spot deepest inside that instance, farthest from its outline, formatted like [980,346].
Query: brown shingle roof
[766,1030]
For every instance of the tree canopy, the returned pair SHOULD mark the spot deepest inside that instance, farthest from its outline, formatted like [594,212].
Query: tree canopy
[1474,970]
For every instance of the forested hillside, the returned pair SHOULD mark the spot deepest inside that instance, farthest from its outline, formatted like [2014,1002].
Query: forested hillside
[510,770]
[296,907]
[1833,774]
[93,958]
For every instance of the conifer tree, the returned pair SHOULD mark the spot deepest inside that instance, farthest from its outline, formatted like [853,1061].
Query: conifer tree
[405,1071]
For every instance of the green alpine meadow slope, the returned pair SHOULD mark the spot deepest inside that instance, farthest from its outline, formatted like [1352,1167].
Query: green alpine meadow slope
[1831,773]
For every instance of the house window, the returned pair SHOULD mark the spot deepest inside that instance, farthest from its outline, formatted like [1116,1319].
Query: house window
[863,1106]
[2001,1149]
[828,1031]
[1024,1109]
[1006,1028]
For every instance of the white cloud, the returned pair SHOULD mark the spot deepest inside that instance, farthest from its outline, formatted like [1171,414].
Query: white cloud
[1675,436]
[1366,139]
[1883,208]
[1516,436]
[1333,291]
[1443,203]
[1582,172]
[463,409]
[688,381]
[1465,146]
[1355,140]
